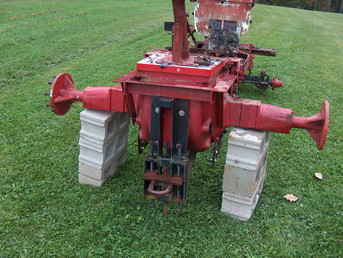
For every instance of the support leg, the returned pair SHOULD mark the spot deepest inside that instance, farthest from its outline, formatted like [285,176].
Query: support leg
[245,172]
[103,145]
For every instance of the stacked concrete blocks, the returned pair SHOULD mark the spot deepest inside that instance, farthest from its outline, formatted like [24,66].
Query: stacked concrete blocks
[245,172]
[103,145]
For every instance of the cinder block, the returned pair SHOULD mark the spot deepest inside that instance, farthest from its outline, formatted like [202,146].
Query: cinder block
[246,148]
[119,124]
[103,145]
[101,124]
[100,152]
[242,181]
[95,123]
[105,169]
[85,180]
[98,173]
[240,207]
[245,172]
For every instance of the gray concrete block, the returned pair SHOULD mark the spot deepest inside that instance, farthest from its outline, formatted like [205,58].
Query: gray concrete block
[98,173]
[243,181]
[95,123]
[240,207]
[237,207]
[119,124]
[246,148]
[102,124]
[249,139]
[100,152]
[103,145]
[245,172]
[85,180]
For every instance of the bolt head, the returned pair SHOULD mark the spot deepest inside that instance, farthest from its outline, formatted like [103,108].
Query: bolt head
[182,113]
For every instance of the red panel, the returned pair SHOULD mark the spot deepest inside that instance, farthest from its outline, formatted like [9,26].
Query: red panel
[97,98]
[248,113]
[240,112]
[118,103]
[104,98]
[232,112]
[170,92]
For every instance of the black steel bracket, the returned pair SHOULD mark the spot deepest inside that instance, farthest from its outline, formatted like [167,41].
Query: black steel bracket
[168,160]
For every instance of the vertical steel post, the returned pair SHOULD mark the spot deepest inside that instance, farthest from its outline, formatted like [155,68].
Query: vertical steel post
[180,41]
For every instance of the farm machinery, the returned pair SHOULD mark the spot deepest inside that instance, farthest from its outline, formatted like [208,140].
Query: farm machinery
[184,97]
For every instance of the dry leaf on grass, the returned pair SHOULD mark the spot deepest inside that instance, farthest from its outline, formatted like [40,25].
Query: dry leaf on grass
[290,197]
[318,176]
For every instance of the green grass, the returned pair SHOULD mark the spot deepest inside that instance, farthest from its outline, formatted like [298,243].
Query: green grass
[45,212]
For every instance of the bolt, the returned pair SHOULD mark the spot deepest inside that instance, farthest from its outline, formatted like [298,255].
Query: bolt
[50,82]
[182,113]
[157,110]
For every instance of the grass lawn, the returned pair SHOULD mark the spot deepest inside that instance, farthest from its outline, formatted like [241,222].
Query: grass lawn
[45,212]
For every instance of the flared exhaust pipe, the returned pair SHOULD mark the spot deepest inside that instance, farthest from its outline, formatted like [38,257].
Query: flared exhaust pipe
[63,94]
[253,114]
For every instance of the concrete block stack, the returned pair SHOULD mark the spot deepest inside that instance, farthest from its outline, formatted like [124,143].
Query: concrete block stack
[103,145]
[245,172]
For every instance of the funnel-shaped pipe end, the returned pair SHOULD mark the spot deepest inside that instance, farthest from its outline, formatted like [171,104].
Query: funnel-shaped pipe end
[62,94]
[317,125]
[320,135]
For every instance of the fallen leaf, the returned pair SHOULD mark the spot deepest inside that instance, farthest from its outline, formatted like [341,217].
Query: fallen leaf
[319,176]
[290,197]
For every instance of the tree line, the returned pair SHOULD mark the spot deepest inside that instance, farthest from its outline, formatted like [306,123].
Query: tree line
[322,5]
